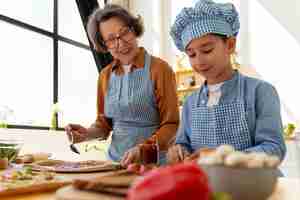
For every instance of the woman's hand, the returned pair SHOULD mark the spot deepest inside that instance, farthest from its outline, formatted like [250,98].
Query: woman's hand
[78,132]
[176,154]
[133,155]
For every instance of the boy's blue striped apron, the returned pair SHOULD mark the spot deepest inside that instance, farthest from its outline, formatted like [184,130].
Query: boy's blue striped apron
[220,124]
[131,104]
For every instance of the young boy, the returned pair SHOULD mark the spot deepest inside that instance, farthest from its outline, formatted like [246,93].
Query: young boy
[229,108]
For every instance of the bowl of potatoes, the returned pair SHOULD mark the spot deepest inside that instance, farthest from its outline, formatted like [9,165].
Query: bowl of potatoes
[242,175]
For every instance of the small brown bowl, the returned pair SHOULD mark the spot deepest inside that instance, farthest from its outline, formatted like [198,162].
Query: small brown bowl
[242,183]
[3,163]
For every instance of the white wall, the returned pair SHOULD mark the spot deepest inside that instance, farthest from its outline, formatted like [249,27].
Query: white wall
[274,49]
[287,13]
[157,21]
[149,10]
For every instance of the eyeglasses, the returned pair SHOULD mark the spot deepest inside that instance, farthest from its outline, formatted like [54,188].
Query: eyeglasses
[125,35]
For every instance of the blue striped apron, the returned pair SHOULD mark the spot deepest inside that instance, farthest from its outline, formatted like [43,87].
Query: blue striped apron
[220,124]
[130,103]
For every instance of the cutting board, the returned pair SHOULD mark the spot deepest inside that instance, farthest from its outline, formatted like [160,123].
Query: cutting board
[16,180]
[36,188]
[113,185]
[121,178]
[61,166]
[70,193]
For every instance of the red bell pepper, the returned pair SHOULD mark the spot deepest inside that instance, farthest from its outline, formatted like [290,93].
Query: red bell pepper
[184,181]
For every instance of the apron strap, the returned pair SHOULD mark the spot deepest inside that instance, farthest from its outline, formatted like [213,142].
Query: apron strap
[147,63]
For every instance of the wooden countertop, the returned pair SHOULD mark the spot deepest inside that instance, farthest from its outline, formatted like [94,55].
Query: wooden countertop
[287,189]
[57,143]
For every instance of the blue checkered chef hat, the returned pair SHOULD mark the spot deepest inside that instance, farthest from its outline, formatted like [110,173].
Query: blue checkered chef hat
[206,17]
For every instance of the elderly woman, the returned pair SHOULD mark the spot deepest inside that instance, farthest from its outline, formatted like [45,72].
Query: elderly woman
[229,108]
[137,97]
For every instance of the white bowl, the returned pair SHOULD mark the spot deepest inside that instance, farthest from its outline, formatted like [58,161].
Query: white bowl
[10,148]
[242,183]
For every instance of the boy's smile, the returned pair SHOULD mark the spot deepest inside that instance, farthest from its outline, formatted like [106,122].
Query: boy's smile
[209,55]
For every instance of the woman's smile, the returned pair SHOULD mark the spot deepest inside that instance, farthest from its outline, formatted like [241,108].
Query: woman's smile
[124,51]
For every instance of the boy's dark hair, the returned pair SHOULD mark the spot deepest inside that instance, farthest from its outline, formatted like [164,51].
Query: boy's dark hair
[223,37]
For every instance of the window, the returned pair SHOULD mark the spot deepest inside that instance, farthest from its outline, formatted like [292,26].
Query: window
[26,75]
[77,88]
[44,61]
[69,23]
[33,12]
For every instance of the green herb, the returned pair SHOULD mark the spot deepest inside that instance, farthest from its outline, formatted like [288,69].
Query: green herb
[27,169]
[289,129]
[3,125]
[221,196]
[8,151]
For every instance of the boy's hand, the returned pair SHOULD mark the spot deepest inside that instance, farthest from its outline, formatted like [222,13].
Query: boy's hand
[176,154]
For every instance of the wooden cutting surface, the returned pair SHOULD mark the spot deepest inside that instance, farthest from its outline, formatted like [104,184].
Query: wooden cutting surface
[39,187]
[49,165]
[287,189]
[69,193]
[51,195]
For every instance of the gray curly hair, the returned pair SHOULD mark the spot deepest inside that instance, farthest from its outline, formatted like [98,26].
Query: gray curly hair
[103,14]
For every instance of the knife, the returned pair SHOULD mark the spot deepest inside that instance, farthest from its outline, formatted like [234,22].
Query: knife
[72,145]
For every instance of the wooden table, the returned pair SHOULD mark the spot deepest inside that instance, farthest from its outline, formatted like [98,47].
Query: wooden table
[287,189]
[57,143]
